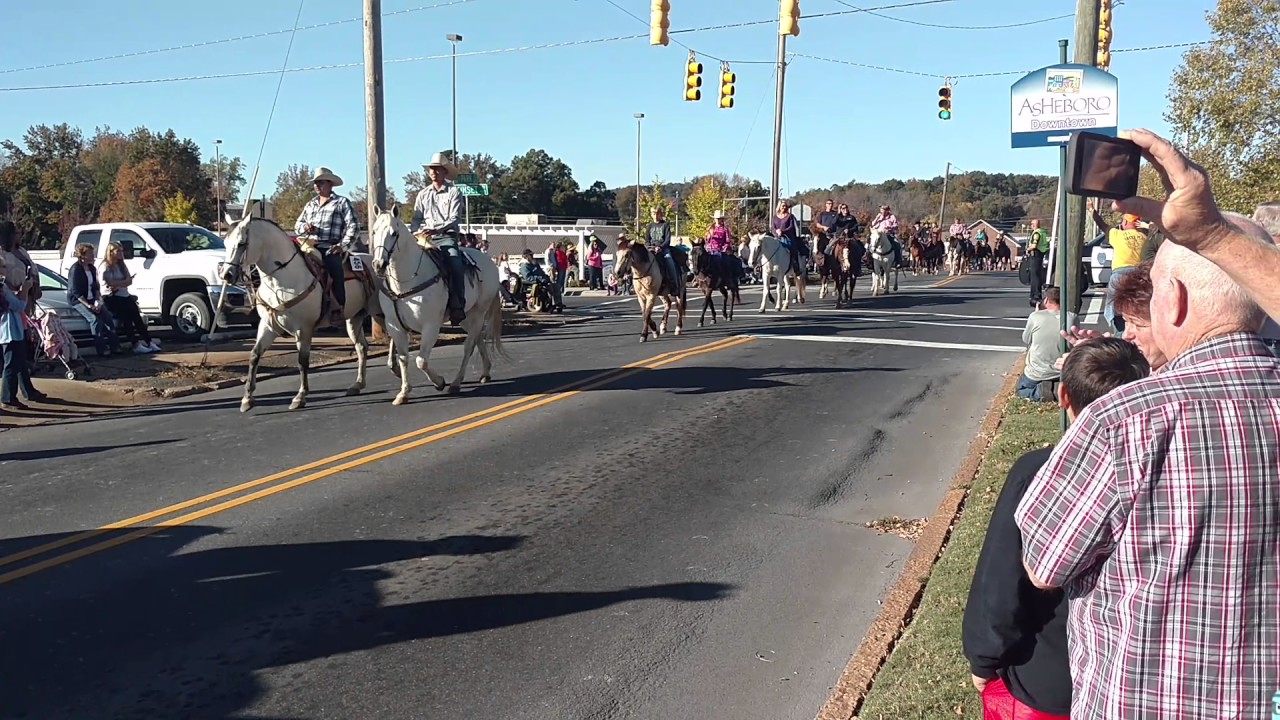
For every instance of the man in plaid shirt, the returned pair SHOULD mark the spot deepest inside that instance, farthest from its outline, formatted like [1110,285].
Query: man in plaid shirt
[1159,513]
[330,222]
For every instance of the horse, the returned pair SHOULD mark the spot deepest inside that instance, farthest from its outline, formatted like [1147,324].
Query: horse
[843,269]
[414,297]
[711,273]
[955,256]
[775,261]
[292,297]
[881,250]
[919,259]
[647,279]
[823,262]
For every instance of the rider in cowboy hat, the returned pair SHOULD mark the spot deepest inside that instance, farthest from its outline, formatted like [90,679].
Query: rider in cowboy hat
[437,214]
[329,219]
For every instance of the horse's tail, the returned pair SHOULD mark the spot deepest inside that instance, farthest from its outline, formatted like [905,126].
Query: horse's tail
[494,336]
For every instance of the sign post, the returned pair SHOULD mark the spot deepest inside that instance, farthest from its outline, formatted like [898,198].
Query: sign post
[1047,107]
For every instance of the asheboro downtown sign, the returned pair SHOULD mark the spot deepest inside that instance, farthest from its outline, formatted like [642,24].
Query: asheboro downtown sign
[1051,103]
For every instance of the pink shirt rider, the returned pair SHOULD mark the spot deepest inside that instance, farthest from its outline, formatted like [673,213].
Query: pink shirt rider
[719,240]
[885,223]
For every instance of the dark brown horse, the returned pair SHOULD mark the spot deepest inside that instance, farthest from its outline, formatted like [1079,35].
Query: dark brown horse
[712,273]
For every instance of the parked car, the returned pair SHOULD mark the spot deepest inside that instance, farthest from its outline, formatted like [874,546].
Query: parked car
[53,298]
[177,272]
[1097,259]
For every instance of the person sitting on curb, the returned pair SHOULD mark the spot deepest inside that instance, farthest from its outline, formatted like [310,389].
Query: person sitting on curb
[1042,338]
[84,293]
[1014,635]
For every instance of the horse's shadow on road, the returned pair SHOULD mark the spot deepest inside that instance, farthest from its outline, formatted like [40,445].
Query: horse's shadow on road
[151,630]
[687,380]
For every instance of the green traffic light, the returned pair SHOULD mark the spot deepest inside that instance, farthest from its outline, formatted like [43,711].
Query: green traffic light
[944,114]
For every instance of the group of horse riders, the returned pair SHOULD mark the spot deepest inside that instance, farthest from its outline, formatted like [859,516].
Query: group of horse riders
[328,223]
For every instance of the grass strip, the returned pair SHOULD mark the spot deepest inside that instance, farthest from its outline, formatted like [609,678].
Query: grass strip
[927,676]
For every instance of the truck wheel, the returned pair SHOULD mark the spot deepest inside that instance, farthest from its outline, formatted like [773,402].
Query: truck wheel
[190,315]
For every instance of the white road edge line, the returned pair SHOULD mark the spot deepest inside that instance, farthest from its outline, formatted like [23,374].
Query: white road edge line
[1093,313]
[889,341]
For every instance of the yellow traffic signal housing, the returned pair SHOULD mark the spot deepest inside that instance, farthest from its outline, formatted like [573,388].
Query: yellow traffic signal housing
[727,79]
[1103,58]
[944,102]
[693,79]
[789,20]
[660,22]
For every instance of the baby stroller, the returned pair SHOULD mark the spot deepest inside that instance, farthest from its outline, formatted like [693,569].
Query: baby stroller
[54,344]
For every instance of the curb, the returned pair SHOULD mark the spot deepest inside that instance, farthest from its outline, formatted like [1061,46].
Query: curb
[903,596]
[201,388]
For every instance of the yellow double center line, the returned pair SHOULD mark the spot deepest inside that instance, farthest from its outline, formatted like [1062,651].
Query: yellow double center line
[948,281]
[327,467]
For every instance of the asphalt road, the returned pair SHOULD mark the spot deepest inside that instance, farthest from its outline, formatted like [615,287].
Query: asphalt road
[684,541]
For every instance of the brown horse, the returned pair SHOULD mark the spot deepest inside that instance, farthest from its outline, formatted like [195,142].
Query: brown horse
[647,281]
[844,269]
[712,273]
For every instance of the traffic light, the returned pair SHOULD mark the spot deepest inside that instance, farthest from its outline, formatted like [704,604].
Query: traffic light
[944,102]
[789,21]
[727,79]
[693,79]
[1104,35]
[659,22]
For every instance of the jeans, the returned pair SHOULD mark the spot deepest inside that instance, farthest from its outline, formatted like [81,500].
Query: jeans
[15,365]
[131,325]
[1034,390]
[103,327]
[1109,310]
[595,278]
[337,273]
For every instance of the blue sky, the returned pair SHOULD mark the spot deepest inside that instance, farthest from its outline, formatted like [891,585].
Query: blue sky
[842,122]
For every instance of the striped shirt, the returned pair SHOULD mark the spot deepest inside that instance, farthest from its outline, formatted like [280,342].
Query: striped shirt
[1159,513]
[334,220]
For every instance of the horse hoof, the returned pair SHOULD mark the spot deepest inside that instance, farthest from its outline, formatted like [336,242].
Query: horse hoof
[297,404]
[352,391]
[453,390]
[644,339]
[440,387]
[400,400]
[700,323]
[246,405]
[677,332]
[484,379]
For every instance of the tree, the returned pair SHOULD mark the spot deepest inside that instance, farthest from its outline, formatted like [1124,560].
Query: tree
[140,193]
[360,203]
[706,197]
[180,209]
[180,159]
[103,157]
[536,183]
[294,190]
[648,201]
[232,177]
[1222,102]
[45,180]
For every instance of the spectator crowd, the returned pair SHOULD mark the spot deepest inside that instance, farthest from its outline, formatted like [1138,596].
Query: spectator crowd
[1133,570]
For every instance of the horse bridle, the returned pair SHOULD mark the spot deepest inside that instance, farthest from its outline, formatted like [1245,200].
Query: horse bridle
[237,255]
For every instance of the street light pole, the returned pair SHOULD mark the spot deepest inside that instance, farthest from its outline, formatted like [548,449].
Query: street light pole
[455,39]
[217,166]
[638,117]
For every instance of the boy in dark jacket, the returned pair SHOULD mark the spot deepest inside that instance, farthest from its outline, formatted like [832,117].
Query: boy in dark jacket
[1015,635]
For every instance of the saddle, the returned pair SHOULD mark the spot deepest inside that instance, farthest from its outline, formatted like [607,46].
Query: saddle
[470,270]
[354,268]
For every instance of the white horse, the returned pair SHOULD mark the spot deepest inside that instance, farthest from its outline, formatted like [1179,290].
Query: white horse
[775,261]
[414,295]
[291,296]
[881,249]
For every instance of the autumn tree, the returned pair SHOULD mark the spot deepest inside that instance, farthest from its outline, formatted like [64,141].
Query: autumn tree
[180,160]
[180,209]
[1222,103]
[294,190]
[706,197]
[140,193]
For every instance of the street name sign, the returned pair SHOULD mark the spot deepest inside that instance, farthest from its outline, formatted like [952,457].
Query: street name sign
[474,190]
[1051,103]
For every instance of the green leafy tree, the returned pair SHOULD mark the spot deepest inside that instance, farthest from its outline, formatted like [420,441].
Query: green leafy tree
[232,178]
[649,200]
[179,209]
[294,190]
[706,197]
[1222,103]
[536,182]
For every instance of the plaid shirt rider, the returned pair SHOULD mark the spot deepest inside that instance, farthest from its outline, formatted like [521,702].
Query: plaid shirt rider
[334,220]
[1159,513]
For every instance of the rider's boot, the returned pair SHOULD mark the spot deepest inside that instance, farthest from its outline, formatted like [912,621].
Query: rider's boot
[457,290]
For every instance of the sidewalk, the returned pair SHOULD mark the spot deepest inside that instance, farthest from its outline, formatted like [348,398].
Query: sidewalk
[182,370]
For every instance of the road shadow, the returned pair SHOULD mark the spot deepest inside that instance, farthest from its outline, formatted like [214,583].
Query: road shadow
[687,380]
[72,451]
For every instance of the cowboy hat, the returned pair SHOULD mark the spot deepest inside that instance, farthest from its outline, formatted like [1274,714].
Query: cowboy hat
[441,161]
[324,173]
[717,215]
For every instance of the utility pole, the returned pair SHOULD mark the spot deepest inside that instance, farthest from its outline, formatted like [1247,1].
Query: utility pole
[942,209]
[638,117]
[1086,53]
[777,122]
[217,162]
[375,142]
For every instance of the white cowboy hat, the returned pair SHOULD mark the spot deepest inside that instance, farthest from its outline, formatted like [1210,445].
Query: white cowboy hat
[441,161]
[324,173]
[717,215]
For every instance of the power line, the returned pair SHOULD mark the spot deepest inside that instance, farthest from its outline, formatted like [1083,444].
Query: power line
[752,129]
[207,43]
[958,27]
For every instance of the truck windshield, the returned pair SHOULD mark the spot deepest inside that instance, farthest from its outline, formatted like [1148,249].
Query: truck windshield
[181,239]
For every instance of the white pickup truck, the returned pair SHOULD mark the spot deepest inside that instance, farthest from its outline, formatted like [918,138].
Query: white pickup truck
[176,271]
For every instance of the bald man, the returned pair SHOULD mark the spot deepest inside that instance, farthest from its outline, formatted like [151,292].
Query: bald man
[1157,513]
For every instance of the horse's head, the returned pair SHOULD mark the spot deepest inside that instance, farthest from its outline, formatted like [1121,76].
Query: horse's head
[386,234]
[753,247]
[237,245]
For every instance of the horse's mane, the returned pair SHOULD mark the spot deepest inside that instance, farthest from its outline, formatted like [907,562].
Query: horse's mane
[638,253]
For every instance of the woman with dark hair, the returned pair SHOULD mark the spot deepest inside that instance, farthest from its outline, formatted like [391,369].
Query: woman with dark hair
[85,295]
